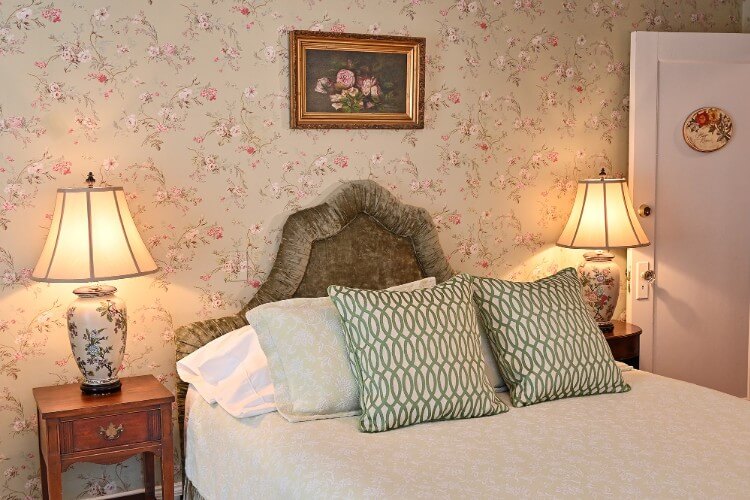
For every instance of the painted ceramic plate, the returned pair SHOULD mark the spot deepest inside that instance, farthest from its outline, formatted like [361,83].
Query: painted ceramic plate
[707,129]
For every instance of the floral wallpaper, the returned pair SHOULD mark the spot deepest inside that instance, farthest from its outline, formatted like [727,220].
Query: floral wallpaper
[185,105]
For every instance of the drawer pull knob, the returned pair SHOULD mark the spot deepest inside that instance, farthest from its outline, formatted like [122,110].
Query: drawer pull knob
[111,432]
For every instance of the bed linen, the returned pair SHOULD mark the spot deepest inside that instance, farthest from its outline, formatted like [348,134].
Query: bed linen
[231,371]
[665,439]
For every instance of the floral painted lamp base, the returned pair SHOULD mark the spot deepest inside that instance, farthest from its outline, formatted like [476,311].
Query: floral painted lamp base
[97,327]
[600,280]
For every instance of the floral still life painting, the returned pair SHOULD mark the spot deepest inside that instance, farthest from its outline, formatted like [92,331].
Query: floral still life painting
[356,82]
[342,80]
[707,129]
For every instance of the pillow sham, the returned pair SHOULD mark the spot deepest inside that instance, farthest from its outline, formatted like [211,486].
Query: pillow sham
[546,345]
[416,355]
[304,342]
[231,371]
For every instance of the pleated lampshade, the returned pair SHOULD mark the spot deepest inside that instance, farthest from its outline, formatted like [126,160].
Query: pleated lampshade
[602,217]
[92,238]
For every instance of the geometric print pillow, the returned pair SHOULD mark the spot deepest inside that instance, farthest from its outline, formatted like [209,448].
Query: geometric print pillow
[416,355]
[545,343]
[305,345]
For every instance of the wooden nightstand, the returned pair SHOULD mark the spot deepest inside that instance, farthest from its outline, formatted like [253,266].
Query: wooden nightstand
[625,342]
[75,427]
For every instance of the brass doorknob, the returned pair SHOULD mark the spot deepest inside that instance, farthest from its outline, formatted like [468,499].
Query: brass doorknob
[649,276]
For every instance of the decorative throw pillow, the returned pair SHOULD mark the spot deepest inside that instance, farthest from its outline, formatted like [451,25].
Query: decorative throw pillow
[304,342]
[416,355]
[545,343]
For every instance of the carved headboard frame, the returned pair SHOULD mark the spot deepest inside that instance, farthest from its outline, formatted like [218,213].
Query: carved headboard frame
[406,225]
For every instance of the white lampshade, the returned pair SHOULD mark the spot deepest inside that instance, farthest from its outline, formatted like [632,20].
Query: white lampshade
[602,217]
[92,238]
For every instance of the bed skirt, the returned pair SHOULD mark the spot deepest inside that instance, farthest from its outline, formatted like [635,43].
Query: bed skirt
[189,491]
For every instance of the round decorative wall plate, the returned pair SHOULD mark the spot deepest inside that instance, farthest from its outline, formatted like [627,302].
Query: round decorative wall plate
[707,129]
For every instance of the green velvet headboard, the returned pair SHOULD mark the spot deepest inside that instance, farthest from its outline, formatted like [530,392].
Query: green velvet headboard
[360,236]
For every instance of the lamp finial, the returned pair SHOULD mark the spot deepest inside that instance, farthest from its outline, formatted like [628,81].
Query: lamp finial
[603,173]
[90,179]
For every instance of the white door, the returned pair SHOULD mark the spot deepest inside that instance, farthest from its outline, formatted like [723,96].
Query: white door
[695,317]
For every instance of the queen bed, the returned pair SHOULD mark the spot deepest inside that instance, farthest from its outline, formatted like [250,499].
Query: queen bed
[663,438]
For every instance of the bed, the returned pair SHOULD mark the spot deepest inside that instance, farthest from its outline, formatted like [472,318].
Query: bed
[664,438]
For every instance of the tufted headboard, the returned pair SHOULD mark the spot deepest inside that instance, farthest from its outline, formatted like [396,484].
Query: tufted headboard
[360,236]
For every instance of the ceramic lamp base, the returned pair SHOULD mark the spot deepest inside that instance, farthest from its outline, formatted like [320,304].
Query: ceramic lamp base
[88,388]
[600,281]
[97,327]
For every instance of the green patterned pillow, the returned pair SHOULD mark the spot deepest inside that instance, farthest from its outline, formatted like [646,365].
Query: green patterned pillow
[307,357]
[545,343]
[416,355]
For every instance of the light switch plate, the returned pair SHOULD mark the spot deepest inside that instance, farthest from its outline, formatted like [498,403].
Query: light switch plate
[642,287]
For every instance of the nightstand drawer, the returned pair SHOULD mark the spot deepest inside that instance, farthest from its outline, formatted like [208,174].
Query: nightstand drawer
[110,430]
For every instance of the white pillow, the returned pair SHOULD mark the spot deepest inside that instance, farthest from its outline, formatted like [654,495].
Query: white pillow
[231,371]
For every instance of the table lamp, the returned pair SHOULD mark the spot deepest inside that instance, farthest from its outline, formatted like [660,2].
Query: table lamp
[602,218]
[93,238]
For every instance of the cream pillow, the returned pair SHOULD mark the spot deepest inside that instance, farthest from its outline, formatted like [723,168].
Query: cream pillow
[491,369]
[304,342]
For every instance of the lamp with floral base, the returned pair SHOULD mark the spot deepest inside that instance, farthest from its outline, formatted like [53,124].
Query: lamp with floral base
[93,238]
[602,219]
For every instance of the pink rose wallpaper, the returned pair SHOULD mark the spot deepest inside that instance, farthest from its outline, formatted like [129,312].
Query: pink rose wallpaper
[185,105]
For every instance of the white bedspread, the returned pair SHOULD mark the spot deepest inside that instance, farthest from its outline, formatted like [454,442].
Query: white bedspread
[664,438]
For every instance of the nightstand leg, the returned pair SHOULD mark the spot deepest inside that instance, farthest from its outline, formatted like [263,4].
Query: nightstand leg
[42,464]
[43,478]
[149,483]
[53,482]
[167,454]
[52,470]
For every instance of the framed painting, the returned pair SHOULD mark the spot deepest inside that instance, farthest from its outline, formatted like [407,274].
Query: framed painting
[345,80]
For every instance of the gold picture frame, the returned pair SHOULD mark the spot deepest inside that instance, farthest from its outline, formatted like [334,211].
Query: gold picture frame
[347,80]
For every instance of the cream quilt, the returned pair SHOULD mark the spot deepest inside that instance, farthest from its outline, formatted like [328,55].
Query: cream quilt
[663,439]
